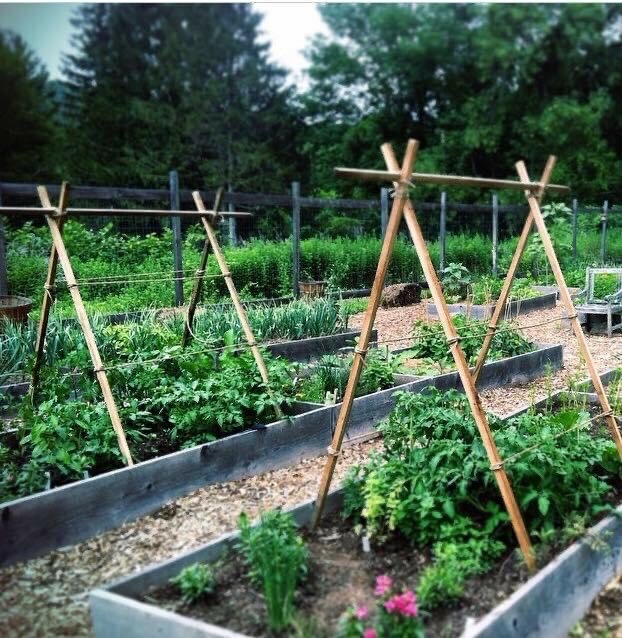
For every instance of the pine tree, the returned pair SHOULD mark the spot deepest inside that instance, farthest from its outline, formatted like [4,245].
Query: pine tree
[26,114]
[155,87]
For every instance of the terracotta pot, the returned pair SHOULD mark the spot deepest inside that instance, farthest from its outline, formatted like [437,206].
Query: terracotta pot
[311,289]
[15,308]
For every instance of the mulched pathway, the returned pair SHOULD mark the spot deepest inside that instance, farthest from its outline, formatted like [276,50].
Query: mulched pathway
[48,596]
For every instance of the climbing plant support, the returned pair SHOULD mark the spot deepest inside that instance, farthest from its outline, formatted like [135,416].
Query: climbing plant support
[402,179]
[55,217]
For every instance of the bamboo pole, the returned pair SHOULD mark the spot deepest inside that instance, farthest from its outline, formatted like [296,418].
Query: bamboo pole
[198,282]
[401,196]
[136,212]
[54,224]
[565,298]
[155,213]
[509,278]
[48,288]
[453,340]
[235,298]
[445,180]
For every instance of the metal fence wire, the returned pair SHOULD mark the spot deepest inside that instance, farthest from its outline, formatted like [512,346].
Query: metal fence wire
[481,235]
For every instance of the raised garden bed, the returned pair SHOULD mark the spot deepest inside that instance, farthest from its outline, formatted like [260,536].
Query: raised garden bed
[301,350]
[36,524]
[548,604]
[512,309]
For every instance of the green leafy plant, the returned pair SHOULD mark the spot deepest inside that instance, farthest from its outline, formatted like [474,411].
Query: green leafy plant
[431,354]
[456,278]
[195,582]
[431,484]
[453,563]
[331,373]
[277,559]
[167,399]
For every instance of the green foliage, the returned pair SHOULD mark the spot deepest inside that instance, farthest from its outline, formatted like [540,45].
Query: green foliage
[432,483]
[27,132]
[353,306]
[167,400]
[429,343]
[486,290]
[299,319]
[261,269]
[453,563]
[277,559]
[331,373]
[606,284]
[456,278]
[192,88]
[476,112]
[195,582]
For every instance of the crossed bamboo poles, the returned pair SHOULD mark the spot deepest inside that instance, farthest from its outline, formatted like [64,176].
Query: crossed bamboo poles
[55,217]
[402,178]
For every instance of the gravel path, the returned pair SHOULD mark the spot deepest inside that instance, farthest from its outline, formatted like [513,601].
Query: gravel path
[48,596]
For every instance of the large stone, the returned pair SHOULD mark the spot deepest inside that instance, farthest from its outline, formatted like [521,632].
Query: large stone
[401,295]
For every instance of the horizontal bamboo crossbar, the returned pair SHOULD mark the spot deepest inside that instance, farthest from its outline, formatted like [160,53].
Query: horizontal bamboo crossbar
[139,212]
[447,180]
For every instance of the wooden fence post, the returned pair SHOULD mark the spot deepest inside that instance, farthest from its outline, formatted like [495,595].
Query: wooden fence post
[442,233]
[575,211]
[603,232]
[173,182]
[295,239]
[495,232]
[4,286]
[233,225]
[384,211]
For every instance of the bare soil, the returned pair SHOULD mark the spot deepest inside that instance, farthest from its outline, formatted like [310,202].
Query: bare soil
[604,619]
[340,574]
[48,596]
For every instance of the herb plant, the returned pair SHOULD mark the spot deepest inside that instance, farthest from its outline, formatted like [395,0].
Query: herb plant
[194,582]
[277,559]
[331,373]
[455,279]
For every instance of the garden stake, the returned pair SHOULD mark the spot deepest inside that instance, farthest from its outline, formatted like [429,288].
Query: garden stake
[198,282]
[395,218]
[60,254]
[446,180]
[564,295]
[509,278]
[48,289]
[453,340]
[534,191]
[237,304]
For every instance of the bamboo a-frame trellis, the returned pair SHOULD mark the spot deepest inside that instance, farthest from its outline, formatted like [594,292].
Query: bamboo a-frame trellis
[402,178]
[55,217]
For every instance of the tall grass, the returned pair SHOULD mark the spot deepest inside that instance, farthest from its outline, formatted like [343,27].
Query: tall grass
[260,269]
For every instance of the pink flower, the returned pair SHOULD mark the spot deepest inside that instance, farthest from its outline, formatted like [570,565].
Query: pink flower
[369,633]
[383,584]
[403,604]
[361,612]
[390,605]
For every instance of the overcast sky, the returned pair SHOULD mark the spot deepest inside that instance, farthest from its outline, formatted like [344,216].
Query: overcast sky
[288,26]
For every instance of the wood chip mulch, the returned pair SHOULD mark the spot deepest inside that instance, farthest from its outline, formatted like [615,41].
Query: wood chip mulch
[48,596]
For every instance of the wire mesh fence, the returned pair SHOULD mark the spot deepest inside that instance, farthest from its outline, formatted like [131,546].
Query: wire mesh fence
[289,238]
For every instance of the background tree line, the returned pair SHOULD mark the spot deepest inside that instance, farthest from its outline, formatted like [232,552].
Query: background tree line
[154,87]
